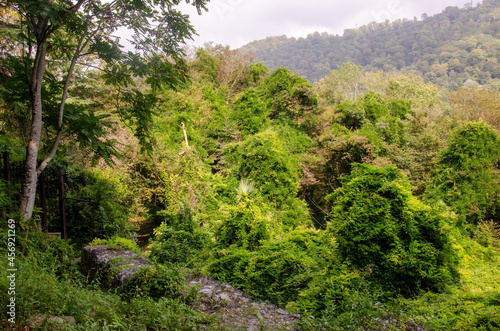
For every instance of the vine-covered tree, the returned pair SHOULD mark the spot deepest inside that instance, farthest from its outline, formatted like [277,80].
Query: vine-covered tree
[58,31]
[379,225]
[467,172]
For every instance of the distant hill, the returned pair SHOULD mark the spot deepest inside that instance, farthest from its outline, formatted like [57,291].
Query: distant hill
[456,47]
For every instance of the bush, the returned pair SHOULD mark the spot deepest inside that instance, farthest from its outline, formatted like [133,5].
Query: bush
[277,271]
[117,243]
[156,282]
[264,159]
[466,176]
[381,227]
[250,112]
[243,225]
[178,239]
[352,114]
[5,199]
[99,204]
[289,97]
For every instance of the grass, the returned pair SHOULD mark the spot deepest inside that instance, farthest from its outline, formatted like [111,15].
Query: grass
[49,286]
[473,304]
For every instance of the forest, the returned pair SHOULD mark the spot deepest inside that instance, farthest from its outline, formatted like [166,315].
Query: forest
[371,195]
[456,46]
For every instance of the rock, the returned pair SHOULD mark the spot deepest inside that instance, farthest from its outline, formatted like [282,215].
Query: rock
[39,320]
[236,310]
[57,320]
[230,306]
[114,268]
[70,319]
[35,321]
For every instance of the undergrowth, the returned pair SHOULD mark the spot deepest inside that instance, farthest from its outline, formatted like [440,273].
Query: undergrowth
[49,284]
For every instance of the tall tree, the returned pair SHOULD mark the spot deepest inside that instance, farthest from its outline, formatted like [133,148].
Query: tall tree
[82,30]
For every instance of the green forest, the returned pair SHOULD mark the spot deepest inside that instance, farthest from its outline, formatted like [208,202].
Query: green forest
[455,47]
[369,200]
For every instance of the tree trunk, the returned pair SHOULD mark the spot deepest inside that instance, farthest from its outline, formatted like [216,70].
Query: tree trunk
[28,191]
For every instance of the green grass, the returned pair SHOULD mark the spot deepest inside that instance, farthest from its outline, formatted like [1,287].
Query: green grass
[471,304]
[43,290]
[475,303]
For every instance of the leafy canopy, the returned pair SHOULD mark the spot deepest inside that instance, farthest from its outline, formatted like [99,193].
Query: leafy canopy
[466,176]
[379,225]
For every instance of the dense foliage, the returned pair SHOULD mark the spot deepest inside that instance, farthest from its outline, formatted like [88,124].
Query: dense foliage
[379,225]
[466,174]
[455,47]
[368,198]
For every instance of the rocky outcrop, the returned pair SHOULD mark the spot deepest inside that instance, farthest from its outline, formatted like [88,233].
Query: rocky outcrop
[232,308]
[237,311]
[114,268]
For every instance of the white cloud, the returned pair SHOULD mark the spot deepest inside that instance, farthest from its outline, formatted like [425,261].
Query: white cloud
[238,22]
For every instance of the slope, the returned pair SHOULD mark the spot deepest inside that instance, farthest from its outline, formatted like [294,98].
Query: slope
[456,46]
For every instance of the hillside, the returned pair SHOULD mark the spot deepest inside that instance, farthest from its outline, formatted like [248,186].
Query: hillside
[448,48]
[367,201]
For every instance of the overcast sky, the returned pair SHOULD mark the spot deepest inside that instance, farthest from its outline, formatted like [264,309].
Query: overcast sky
[238,22]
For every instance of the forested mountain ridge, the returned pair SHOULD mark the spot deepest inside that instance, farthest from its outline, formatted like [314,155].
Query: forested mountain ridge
[448,49]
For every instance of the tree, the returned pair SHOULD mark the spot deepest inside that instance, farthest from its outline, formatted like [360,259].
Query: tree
[380,226]
[344,83]
[82,30]
[222,66]
[476,104]
[467,172]
[289,97]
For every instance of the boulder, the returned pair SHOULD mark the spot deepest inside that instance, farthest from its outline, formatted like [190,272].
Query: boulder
[113,268]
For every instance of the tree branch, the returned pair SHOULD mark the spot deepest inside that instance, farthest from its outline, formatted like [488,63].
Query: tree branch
[77,6]
[74,60]
[4,25]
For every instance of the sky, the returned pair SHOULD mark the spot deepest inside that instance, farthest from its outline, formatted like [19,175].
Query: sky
[238,22]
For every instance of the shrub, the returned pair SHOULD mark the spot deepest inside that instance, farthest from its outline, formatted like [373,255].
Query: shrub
[5,200]
[116,242]
[341,299]
[466,176]
[99,203]
[250,112]
[178,239]
[156,282]
[288,96]
[352,114]
[58,254]
[243,225]
[264,159]
[379,225]
[277,271]
[385,118]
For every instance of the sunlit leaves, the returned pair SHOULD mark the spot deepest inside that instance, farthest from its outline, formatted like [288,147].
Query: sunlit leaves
[466,174]
[379,225]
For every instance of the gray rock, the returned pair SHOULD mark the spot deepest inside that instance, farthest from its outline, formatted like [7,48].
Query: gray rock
[70,319]
[236,310]
[39,320]
[114,268]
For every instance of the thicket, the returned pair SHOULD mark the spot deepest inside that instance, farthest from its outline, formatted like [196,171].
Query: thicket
[379,225]
[333,201]
[465,177]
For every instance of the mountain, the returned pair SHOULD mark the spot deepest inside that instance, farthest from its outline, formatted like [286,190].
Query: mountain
[456,47]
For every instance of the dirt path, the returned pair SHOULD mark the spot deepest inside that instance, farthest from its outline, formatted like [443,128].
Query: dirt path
[144,233]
